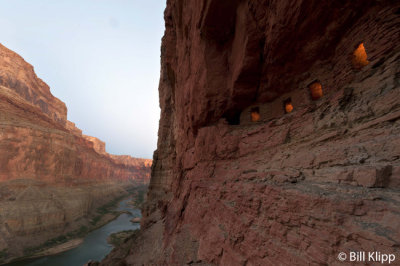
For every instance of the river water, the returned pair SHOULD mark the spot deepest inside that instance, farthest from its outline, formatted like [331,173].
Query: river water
[94,247]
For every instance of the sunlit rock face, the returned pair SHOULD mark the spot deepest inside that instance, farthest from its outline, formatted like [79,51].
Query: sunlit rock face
[50,174]
[38,142]
[19,77]
[295,188]
[316,90]
[360,57]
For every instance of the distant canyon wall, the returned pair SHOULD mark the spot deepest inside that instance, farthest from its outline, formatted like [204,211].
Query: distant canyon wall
[279,137]
[50,173]
[37,140]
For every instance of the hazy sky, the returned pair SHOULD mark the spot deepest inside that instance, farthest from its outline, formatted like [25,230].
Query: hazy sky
[100,57]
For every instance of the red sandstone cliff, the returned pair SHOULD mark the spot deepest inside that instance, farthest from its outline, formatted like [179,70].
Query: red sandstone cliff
[38,142]
[235,179]
[19,77]
[51,175]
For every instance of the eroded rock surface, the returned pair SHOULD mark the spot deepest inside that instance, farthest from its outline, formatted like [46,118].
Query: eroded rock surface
[50,174]
[292,188]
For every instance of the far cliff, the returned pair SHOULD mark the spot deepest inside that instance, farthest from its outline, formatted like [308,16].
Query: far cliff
[51,175]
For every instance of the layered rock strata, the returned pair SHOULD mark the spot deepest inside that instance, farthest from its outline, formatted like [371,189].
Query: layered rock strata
[239,178]
[50,174]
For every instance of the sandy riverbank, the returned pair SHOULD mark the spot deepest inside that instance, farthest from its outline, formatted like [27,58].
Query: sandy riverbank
[70,244]
[101,217]
[59,248]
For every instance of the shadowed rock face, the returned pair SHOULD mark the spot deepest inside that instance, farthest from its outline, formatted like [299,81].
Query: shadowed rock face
[50,174]
[288,189]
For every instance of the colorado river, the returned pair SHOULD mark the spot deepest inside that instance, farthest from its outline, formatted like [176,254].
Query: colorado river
[94,247]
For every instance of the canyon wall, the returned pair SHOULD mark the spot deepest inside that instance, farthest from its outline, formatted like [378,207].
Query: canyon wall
[50,174]
[253,166]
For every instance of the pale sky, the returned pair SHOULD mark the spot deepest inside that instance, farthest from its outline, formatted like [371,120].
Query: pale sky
[100,57]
